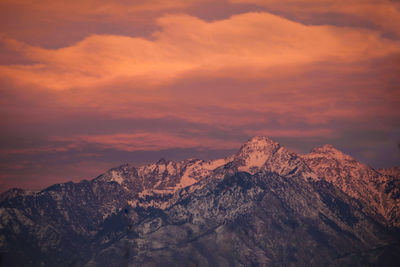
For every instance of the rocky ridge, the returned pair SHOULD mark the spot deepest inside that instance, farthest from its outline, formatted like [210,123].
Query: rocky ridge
[378,191]
[353,206]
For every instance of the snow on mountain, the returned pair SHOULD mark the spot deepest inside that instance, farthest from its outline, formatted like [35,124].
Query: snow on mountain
[259,153]
[263,154]
[164,178]
[256,152]
[394,172]
[356,179]
[315,198]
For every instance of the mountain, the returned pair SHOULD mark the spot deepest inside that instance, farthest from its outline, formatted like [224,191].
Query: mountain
[379,191]
[262,206]
[394,172]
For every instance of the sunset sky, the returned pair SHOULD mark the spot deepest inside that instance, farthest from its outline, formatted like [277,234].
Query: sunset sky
[88,85]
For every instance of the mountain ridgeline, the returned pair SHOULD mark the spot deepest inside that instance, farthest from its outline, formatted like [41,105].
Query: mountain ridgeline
[263,206]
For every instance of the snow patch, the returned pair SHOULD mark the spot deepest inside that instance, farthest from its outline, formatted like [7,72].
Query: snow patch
[132,203]
[186,180]
[116,177]
[213,164]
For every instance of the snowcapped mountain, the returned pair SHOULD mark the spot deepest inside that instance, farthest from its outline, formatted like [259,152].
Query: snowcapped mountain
[263,205]
[379,191]
[259,153]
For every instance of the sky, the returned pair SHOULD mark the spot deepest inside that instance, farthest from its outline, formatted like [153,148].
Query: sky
[88,85]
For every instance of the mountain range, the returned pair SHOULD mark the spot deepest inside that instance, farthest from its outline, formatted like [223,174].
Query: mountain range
[262,206]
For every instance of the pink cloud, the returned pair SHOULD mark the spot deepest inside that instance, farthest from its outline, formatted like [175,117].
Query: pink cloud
[236,47]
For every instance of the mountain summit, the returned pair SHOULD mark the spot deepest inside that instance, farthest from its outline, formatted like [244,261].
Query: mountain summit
[262,206]
[259,145]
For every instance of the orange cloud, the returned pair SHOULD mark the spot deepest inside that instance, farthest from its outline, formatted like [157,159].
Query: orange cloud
[251,41]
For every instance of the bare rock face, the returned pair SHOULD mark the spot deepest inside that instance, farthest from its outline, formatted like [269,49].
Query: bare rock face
[263,206]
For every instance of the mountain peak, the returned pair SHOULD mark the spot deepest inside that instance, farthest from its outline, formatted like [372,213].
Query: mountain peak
[119,174]
[260,140]
[331,151]
[261,152]
[328,147]
[257,150]
[260,143]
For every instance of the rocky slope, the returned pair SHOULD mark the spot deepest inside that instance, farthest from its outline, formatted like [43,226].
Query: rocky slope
[259,220]
[378,191]
[263,206]
[394,172]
